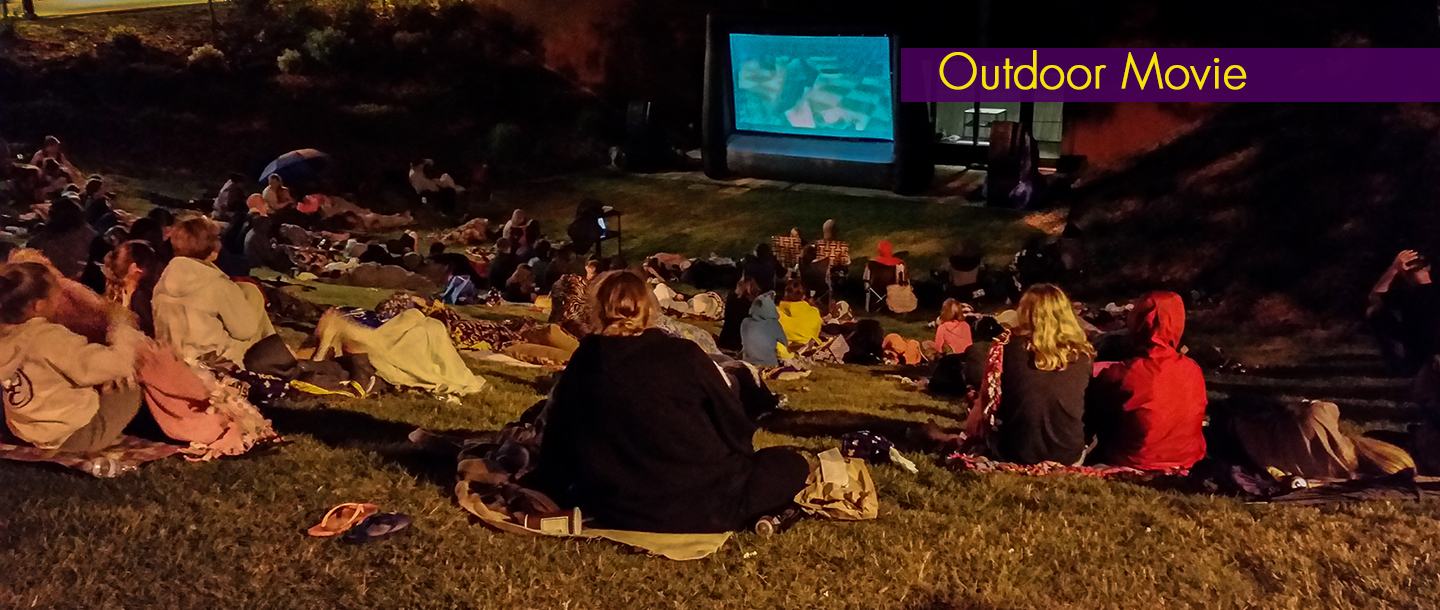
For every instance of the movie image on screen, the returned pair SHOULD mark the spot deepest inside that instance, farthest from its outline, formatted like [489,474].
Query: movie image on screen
[835,86]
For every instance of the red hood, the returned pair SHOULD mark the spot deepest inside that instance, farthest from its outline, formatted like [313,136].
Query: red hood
[1157,323]
[887,254]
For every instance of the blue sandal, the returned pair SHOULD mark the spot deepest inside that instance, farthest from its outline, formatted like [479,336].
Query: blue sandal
[378,527]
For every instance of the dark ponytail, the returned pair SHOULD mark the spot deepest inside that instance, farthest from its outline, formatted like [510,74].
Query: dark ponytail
[21,286]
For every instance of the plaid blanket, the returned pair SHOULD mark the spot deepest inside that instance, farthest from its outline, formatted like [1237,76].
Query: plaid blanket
[123,458]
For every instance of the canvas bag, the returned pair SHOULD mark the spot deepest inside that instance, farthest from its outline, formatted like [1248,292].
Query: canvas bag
[901,298]
[839,488]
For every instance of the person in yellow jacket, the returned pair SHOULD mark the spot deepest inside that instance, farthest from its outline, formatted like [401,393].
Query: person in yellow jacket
[800,320]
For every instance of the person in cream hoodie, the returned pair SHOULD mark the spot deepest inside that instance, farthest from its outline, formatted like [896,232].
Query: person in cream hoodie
[198,309]
[62,392]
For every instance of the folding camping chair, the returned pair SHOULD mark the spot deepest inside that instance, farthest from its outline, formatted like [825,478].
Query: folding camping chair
[787,250]
[878,280]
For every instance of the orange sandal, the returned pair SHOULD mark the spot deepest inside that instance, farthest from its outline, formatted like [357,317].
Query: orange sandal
[341,518]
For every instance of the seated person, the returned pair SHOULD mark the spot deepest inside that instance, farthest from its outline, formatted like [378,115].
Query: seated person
[952,333]
[562,263]
[65,239]
[737,310]
[540,261]
[95,204]
[762,338]
[62,392]
[960,373]
[1405,315]
[520,246]
[52,150]
[502,265]
[131,271]
[1047,368]
[763,267]
[884,270]
[962,276]
[585,231]
[160,237]
[27,183]
[1149,411]
[198,309]
[520,288]
[643,433]
[276,195]
[529,230]
[439,191]
[93,277]
[815,273]
[867,343]
[53,179]
[231,198]
[800,320]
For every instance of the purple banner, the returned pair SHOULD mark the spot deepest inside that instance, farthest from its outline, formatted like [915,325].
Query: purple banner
[1170,75]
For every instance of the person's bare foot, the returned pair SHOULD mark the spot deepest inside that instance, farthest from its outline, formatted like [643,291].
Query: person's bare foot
[930,434]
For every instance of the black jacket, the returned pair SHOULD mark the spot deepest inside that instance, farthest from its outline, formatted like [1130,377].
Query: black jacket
[643,434]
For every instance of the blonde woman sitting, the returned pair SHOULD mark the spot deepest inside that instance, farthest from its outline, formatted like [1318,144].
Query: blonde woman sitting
[1043,372]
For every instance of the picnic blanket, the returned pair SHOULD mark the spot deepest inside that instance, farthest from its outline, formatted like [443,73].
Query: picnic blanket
[977,463]
[124,458]
[489,469]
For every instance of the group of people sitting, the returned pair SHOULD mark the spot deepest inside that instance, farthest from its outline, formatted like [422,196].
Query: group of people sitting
[1039,395]
[78,362]
[651,422]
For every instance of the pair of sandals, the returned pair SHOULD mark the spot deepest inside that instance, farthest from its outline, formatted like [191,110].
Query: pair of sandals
[359,523]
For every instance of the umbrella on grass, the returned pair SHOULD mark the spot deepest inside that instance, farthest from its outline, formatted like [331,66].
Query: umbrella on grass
[297,166]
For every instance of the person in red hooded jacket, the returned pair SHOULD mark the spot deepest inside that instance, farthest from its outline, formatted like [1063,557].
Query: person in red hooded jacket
[1149,411]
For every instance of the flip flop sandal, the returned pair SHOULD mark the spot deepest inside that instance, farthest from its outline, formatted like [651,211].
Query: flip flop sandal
[378,527]
[342,518]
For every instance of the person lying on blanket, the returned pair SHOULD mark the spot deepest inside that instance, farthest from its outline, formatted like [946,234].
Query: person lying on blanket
[61,391]
[643,433]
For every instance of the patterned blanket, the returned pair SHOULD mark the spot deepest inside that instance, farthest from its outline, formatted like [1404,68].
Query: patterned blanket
[126,457]
[976,463]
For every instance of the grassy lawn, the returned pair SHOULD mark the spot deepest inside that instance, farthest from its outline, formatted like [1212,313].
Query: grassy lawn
[698,218]
[230,534]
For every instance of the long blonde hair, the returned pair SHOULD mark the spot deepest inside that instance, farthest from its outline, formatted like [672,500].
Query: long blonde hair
[1056,339]
[622,304]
